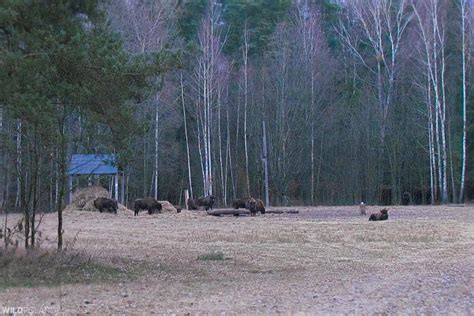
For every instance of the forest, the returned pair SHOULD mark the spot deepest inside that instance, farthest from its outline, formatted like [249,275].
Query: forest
[334,102]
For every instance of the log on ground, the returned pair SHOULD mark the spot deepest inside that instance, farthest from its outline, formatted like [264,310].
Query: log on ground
[228,211]
[272,211]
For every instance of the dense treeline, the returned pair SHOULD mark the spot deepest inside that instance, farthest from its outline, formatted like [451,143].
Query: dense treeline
[361,100]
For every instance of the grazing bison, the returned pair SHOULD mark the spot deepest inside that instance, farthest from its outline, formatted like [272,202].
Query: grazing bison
[255,206]
[192,204]
[201,203]
[150,204]
[379,216]
[362,208]
[240,203]
[106,204]
[206,202]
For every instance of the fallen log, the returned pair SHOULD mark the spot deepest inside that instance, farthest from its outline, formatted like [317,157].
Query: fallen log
[219,212]
[282,212]
[238,212]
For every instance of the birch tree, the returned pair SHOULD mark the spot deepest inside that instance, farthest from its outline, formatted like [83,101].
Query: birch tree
[374,39]
[145,27]
[464,53]
[431,29]
[205,75]
[308,31]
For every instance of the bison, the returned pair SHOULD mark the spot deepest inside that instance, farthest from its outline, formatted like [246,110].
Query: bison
[206,202]
[201,203]
[192,204]
[240,203]
[379,216]
[106,204]
[255,206]
[150,204]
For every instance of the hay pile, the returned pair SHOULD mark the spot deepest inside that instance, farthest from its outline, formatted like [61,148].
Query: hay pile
[167,207]
[83,199]
[81,196]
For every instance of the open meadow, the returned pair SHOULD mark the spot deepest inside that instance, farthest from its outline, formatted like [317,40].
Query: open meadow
[322,260]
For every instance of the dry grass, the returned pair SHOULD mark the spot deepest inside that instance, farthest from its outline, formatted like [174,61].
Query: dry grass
[49,268]
[323,260]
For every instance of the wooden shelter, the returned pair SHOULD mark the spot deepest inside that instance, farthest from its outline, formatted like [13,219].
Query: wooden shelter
[95,164]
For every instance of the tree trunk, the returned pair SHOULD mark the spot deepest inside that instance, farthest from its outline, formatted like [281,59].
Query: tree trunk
[464,100]
[62,169]
[155,169]
[245,59]
[18,163]
[265,163]
[190,182]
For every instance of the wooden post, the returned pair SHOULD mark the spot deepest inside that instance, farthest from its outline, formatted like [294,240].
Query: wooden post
[122,189]
[186,197]
[111,185]
[116,186]
[69,190]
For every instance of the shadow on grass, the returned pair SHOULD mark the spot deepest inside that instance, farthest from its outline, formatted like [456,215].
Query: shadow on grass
[212,256]
[43,268]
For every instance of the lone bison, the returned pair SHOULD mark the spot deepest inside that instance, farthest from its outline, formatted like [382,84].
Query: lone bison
[106,204]
[150,204]
[379,216]
[240,203]
[255,206]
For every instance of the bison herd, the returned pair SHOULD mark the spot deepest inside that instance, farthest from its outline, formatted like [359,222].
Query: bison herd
[152,206]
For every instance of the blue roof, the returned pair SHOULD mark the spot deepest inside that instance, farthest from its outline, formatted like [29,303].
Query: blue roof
[92,164]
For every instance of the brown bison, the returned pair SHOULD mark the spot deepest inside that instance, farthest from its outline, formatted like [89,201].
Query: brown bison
[150,204]
[206,202]
[240,203]
[106,204]
[255,206]
[201,203]
[379,216]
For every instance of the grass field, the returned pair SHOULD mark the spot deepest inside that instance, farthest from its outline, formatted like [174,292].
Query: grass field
[322,260]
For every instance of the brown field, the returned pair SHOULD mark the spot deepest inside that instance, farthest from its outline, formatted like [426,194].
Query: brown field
[324,260]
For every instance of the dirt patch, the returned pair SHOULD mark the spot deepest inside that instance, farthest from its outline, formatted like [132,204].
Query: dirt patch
[325,260]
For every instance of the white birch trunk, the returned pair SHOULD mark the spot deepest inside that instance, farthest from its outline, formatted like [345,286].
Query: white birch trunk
[18,164]
[265,163]
[219,133]
[155,169]
[245,59]
[190,181]
[464,100]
